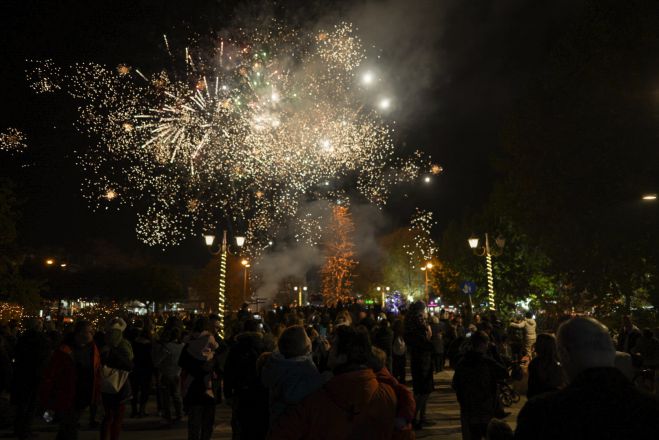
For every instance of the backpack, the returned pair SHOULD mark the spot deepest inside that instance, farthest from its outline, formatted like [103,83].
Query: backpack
[399,347]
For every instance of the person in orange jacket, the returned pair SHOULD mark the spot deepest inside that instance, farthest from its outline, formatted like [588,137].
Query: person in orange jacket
[353,404]
[72,379]
[406,406]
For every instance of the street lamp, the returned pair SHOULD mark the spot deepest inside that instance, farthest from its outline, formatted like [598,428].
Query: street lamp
[426,268]
[649,197]
[383,292]
[223,251]
[488,252]
[299,291]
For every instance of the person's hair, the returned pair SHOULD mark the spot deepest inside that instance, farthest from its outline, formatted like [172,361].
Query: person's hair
[486,326]
[379,355]
[479,339]
[171,335]
[498,429]
[354,344]
[417,307]
[528,315]
[343,317]
[213,317]
[81,325]
[293,342]
[545,347]
[251,325]
[201,324]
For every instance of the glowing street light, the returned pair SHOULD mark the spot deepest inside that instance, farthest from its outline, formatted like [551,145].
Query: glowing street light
[50,262]
[209,239]
[650,197]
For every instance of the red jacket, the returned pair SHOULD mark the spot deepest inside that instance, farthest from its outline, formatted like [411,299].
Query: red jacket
[406,404]
[406,407]
[59,381]
[351,405]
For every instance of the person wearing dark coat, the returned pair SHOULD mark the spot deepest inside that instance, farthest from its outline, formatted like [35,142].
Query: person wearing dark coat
[243,387]
[628,336]
[475,383]
[30,359]
[383,338]
[417,339]
[437,340]
[545,371]
[142,374]
[199,393]
[71,381]
[599,402]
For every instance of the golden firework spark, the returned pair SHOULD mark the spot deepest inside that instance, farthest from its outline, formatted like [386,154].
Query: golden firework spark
[270,108]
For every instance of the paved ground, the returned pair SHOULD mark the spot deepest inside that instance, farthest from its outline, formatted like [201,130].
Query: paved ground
[442,408]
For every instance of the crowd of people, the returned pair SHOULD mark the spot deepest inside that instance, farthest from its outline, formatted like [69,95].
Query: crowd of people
[327,373]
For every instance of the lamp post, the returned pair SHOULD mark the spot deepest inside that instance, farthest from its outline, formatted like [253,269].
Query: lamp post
[223,251]
[299,290]
[488,252]
[426,268]
[246,266]
[383,291]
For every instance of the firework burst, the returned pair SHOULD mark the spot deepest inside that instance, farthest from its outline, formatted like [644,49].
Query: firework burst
[246,130]
[12,141]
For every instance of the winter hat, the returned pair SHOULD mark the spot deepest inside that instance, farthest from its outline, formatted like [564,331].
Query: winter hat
[417,307]
[118,324]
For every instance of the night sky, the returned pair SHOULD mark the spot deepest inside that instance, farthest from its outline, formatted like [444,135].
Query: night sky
[459,68]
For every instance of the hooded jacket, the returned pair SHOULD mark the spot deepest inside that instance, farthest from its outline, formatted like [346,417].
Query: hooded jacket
[289,381]
[352,405]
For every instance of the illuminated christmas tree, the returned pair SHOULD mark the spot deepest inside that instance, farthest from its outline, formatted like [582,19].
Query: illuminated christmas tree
[339,257]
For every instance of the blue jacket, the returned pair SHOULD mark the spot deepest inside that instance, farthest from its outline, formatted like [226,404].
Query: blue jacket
[289,381]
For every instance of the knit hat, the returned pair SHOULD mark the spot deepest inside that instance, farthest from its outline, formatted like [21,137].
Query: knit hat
[118,324]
